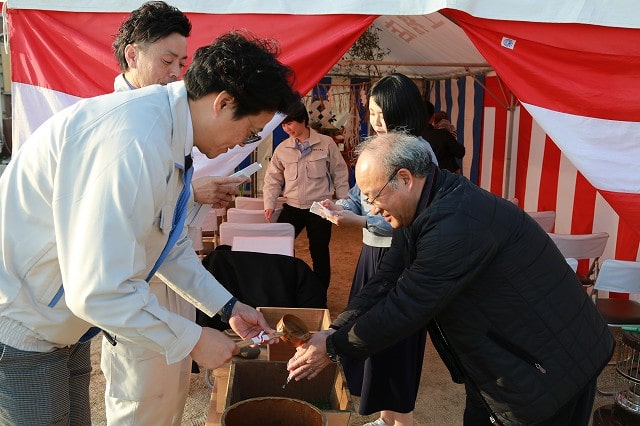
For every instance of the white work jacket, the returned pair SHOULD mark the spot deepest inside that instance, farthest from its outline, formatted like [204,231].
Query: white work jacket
[86,205]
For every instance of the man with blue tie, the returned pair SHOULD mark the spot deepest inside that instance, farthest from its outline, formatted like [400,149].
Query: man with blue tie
[87,207]
[151,48]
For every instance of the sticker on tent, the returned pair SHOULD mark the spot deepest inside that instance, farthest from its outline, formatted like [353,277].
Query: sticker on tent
[509,43]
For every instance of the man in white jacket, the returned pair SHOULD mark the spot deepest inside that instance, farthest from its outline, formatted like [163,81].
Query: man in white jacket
[151,48]
[87,208]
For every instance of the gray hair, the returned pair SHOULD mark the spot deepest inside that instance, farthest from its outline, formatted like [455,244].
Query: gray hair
[399,150]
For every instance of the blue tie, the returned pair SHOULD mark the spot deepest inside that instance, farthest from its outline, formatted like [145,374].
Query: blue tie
[179,216]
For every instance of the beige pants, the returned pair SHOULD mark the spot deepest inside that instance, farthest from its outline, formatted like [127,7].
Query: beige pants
[141,388]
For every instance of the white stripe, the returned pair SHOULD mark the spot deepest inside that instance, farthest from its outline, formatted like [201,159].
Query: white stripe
[512,157]
[621,13]
[607,152]
[534,168]
[31,106]
[455,92]
[567,175]
[469,115]
[295,7]
[488,135]
[605,219]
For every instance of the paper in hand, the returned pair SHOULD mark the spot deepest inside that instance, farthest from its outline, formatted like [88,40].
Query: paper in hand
[322,211]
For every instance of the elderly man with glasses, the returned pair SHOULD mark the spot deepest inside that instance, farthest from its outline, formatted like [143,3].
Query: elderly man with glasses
[503,308]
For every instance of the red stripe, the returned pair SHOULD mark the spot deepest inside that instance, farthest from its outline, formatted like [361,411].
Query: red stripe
[71,52]
[579,69]
[627,206]
[548,194]
[584,199]
[584,204]
[627,242]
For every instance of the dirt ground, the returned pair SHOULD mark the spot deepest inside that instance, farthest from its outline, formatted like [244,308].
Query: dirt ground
[440,401]
[345,248]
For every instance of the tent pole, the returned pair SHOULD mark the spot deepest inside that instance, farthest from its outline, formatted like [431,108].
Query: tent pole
[506,191]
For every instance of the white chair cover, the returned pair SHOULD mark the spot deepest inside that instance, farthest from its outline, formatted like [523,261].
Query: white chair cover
[238,215]
[264,244]
[573,263]
[251,203]
[546,219]
[621,276]
[581,246]
[228,230]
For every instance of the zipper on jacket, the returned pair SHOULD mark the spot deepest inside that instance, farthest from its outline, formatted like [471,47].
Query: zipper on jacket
[515,350]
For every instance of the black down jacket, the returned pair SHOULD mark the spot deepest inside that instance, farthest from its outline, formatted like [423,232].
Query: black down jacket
[518,325]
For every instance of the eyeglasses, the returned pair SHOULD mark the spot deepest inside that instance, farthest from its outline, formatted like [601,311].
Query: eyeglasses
[253,138]
[370,201]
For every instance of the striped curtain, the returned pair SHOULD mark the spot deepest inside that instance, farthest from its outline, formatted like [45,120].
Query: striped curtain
[540,176]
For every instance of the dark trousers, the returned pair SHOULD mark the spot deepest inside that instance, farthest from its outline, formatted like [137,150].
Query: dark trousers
[576,412]
[319,235]
[45,388]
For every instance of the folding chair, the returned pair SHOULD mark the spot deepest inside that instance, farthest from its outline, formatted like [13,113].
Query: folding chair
[238,215]
[251,203]
[264,244]
[622,277]
[546,219]
[583,246]
[619,276]
[228,230]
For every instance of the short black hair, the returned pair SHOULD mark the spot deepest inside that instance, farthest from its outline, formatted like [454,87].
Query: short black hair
[401,103]
[247,68]
[298,113]
[430,109]
[152,21]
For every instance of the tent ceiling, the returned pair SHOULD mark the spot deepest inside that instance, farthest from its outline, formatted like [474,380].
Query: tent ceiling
[423,46]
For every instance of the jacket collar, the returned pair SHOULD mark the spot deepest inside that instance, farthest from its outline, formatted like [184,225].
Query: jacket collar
[182,136]
[314,138]
[428,190]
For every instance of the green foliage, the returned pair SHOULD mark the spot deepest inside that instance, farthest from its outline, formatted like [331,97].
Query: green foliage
[366,48]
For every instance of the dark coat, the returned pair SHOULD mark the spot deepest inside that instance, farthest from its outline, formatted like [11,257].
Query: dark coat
[261,279]
[445,146]
[513,318]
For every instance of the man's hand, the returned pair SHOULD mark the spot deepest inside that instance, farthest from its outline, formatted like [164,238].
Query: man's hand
[267,215]
[310,358]
[247,322]
[213,349]
[216,190]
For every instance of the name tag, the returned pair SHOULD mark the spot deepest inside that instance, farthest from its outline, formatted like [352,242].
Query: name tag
[166,219]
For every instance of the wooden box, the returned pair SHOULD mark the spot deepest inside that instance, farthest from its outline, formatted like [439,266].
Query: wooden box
[315,320]
[259,378]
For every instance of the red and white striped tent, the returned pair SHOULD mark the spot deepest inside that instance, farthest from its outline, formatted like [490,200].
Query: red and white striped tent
[574,68]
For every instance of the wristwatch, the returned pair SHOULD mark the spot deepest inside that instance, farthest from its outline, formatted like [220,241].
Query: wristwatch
[331,350]
[225,312]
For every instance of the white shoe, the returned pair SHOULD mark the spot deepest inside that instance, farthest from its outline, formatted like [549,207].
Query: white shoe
[378,422]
